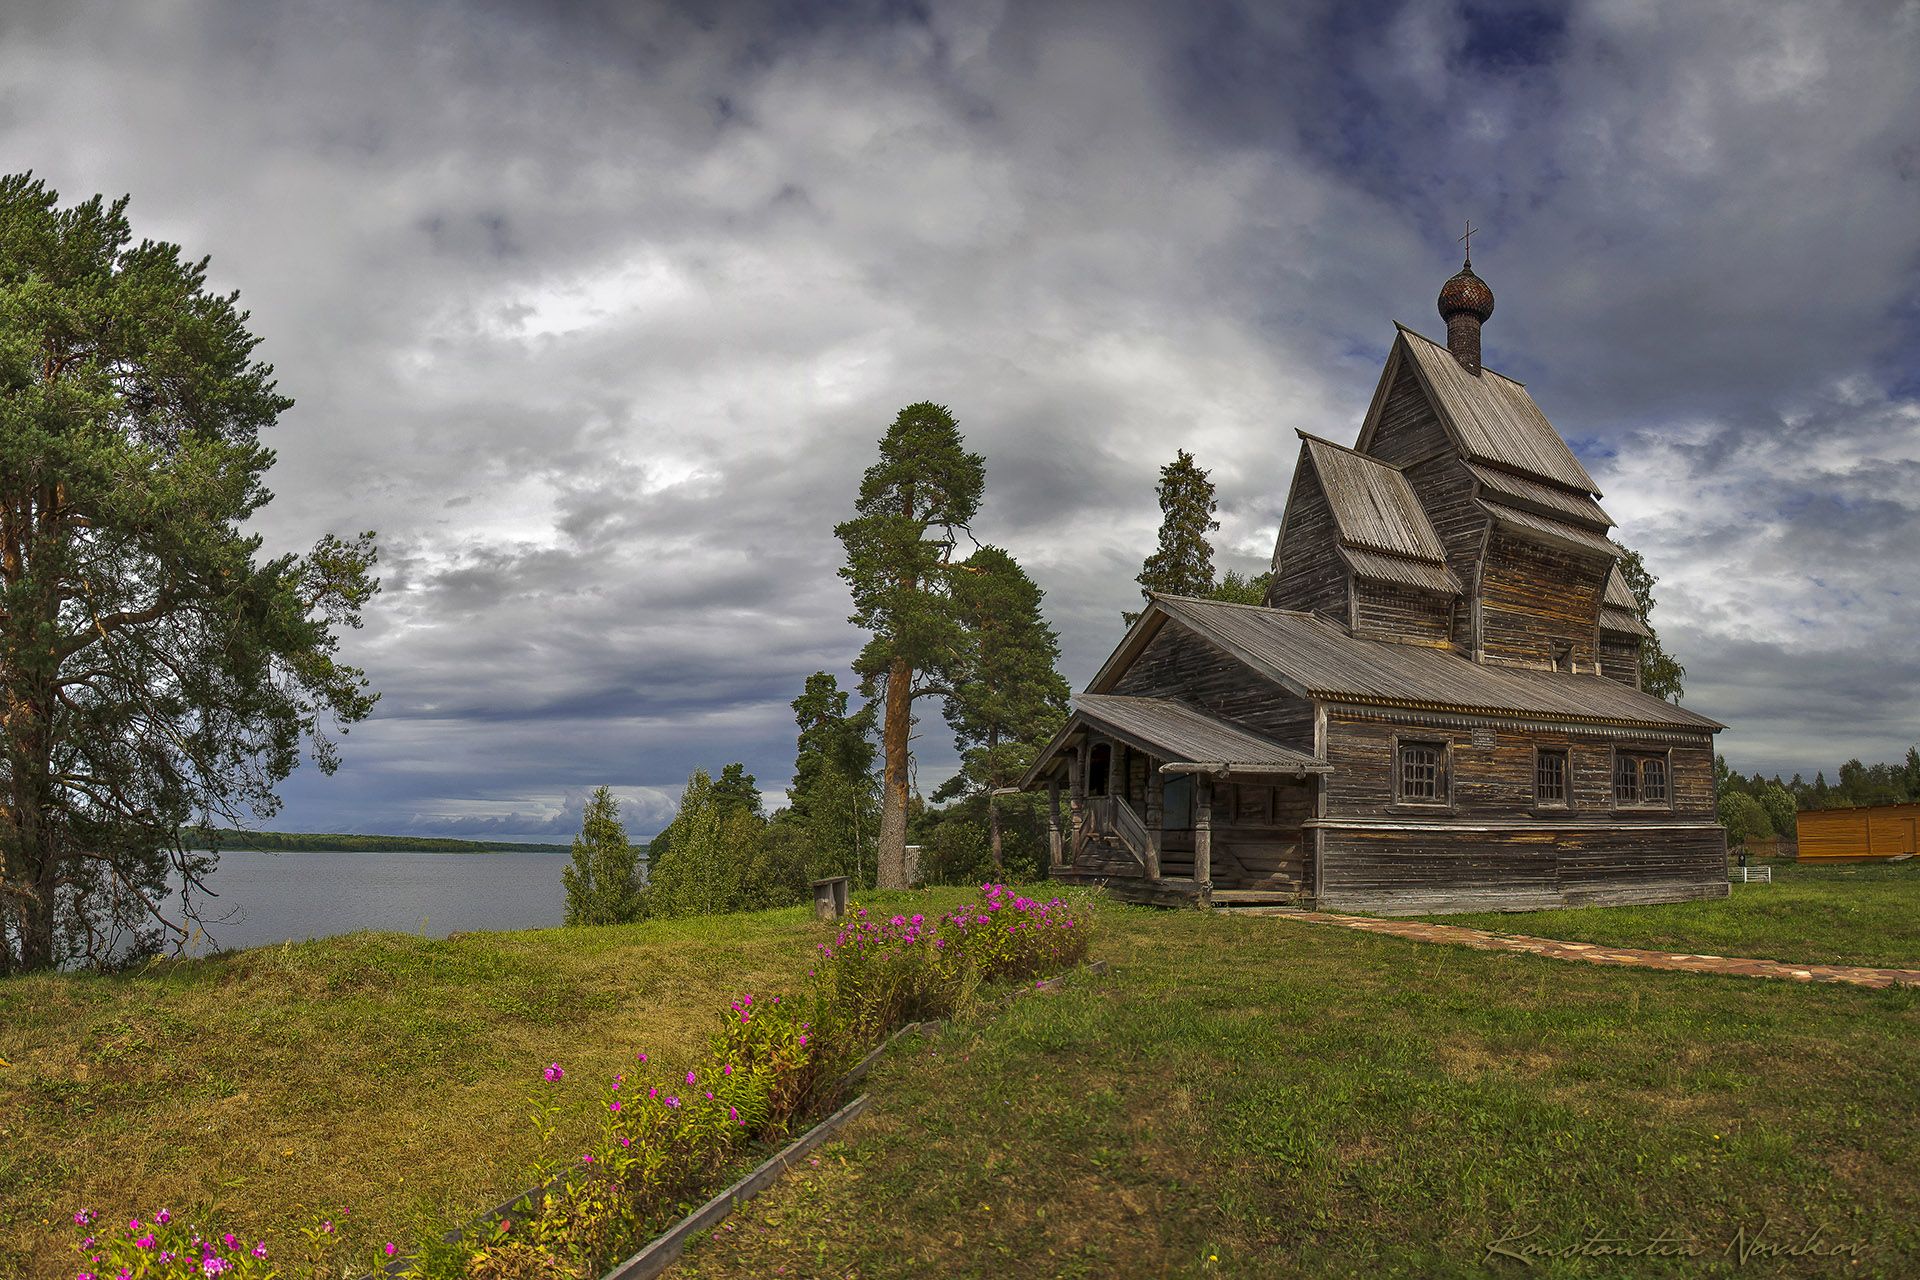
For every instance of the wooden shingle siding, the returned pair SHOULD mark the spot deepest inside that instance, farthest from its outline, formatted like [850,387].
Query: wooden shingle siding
[1536,597]
[1414,873]
[1492,774]
[1178,664]
[1385,612]
[1308,573]
[1409,435]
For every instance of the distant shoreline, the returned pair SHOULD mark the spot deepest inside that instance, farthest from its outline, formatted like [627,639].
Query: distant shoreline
[324,842]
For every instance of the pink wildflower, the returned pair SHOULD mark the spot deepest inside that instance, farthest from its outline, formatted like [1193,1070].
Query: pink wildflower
[690,1077]
[163,1217]
[672,1101]
[553,1073]
[391,1249]
[83,1217]
[260,1249]
[145,1242]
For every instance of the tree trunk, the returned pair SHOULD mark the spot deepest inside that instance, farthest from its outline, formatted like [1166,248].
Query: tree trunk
[993,832]
[891,858]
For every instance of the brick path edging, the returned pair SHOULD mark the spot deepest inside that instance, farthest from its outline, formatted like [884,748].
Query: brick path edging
[1593,953]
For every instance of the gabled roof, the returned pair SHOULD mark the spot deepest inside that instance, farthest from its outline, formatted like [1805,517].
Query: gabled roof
[1373,504]
[1619,595]
[1619,609]
[1384,534]
[1493,417]
[1177,734]
[1314,658]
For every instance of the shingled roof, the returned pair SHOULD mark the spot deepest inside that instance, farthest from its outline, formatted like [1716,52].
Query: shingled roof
[1182,736]
[1619,610]
[1494,418]
[1383,530]
[1317,659]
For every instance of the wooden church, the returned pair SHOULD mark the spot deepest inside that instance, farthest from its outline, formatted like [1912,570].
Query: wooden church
[1438,708]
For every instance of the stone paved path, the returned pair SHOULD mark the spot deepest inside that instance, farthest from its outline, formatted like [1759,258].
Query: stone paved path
[1591,953]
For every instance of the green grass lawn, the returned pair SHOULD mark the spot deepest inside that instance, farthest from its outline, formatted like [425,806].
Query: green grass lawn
[1862,913]
[379,1073]
[1236,1096]
[1255,1097]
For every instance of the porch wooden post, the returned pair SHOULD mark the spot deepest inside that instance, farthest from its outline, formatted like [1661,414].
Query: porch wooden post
[1203,831]
[1076,801]
[1156,809]
[1053,824]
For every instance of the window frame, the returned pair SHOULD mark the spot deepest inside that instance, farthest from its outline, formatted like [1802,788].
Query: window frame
[1640,758]
[1565,753]
[1442,799]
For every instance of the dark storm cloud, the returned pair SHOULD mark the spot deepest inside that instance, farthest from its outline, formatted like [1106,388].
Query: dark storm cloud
[595,312]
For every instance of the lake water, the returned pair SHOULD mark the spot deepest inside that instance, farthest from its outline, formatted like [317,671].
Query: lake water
[273,897]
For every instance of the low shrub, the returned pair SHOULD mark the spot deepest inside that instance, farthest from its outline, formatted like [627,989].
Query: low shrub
[661,1139]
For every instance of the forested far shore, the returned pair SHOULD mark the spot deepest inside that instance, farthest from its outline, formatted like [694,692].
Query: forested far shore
[311,842]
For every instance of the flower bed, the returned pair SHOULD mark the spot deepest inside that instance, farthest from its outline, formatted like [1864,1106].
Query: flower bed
[661,1140]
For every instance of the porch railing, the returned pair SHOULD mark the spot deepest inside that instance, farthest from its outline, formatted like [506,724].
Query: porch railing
[1113,816]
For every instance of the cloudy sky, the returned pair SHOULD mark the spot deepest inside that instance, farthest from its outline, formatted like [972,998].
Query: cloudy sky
[595,313]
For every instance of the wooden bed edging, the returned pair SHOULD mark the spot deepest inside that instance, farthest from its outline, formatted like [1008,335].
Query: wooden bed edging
[659,1250]
[663,1250]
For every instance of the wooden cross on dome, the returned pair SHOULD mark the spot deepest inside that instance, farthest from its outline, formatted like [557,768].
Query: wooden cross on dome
[1467,239]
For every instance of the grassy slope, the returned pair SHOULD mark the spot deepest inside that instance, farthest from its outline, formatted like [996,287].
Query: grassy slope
[379,1072]
[1865,913]
[1282,1096]
[1253,1097]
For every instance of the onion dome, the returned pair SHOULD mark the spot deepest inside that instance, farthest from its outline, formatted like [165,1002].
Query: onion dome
[1466,292]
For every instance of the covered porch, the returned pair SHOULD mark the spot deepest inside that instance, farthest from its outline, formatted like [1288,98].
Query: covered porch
[1163,803]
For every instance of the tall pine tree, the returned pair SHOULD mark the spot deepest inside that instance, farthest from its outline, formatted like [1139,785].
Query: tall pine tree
[1660,674]
[157,673]
[1008,698]
[1182,565]
[912,502]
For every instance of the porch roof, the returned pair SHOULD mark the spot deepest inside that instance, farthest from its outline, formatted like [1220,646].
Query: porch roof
[1186,740]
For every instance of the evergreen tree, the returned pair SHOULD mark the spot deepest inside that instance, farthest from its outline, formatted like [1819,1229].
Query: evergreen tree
[156,673]
[1660,674]
[832,800]
[603,882]
[708,849]
[1183,563]
[735,791]
[1008,698]
[924,488]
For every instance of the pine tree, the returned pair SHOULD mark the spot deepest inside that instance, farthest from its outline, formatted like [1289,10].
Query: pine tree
[1008,698]
[832,799]
[603,882]
[157,675]
[1660,674]
[1183,563]
[899,545]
